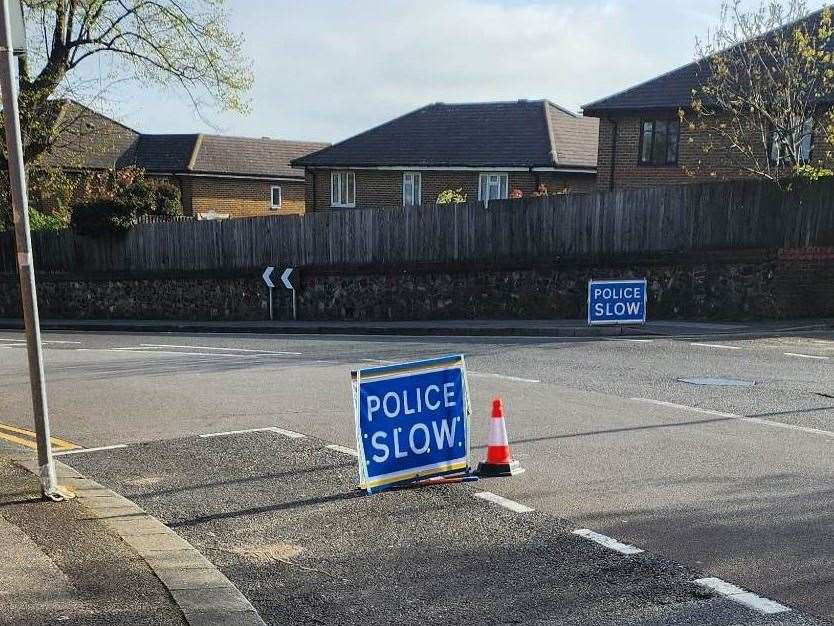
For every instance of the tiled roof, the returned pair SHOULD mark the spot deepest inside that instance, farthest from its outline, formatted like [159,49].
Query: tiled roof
[94,141]
[88,139]
[217,154]
[669,91]
[674,90]
[575,139]
[162,153]
[492,134]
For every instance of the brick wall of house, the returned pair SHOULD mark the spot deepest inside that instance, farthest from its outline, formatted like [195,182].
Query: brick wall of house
[383,189]
[695,164]
[240,197]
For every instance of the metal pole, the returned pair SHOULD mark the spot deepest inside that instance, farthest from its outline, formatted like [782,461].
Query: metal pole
[270,304]
[20,204]
[294,310]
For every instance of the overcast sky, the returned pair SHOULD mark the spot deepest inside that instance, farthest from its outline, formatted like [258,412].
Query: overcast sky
[327,69]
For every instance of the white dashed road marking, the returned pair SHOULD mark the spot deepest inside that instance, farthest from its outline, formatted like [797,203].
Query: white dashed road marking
[741,418]
[608,542]
[267,429]
[512,505]
[737,594]
[84,450]
[715,345]
[289,433]
[343,450]
[684,407]
[165,353]
[514,379]
[807,356]
[155,345]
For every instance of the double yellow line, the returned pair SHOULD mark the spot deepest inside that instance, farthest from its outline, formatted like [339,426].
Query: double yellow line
[26,438]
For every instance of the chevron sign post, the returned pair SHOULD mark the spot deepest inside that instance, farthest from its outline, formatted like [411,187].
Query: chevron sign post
[289,280]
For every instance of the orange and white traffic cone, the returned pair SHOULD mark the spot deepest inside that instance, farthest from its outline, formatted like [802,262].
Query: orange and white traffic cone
[499,461]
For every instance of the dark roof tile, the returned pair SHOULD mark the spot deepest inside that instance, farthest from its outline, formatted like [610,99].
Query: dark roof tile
[254,157]
[494,134]
[675,89]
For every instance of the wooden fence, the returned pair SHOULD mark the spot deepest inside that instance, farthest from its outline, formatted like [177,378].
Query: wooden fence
[683,218]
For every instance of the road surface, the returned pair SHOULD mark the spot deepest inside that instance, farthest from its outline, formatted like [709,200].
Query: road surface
[730,480]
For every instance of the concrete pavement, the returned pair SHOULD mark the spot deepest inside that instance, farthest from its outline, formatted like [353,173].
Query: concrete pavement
[61,567]
[731,481]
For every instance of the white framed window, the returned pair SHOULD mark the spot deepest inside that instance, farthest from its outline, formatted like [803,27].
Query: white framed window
[343,189]
[492,187]
[412,189]
[275,198]
[778,146]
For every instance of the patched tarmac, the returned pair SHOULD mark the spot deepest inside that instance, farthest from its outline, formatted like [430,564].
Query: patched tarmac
[282,519]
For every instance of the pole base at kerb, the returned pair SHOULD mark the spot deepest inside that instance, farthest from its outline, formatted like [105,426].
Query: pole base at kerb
[58,494]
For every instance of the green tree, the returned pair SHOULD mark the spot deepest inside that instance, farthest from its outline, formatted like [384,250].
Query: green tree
[765,78]
[87,50]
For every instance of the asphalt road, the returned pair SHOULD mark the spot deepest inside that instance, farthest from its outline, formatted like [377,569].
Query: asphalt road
[733,481]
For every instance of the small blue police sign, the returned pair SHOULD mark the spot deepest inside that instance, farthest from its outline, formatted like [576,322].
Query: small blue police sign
[412,421]
[617,302]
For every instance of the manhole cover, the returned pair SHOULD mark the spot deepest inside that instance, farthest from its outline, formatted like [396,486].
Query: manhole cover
[717,382]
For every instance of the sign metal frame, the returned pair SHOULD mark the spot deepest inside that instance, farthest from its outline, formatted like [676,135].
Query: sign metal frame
[402,370]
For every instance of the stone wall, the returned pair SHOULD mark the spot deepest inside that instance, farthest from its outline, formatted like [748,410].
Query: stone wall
[718,286]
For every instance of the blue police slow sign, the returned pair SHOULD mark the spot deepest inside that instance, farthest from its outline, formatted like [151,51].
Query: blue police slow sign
[412,421]
[617,302]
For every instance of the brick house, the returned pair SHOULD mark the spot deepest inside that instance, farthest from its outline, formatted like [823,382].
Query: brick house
[486,149]
[216,174]
[642,142]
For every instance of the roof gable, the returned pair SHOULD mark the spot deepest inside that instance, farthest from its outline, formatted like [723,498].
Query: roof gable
[675,89]
[493,134]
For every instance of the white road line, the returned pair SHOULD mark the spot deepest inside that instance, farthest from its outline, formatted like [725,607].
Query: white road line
[85,450]
[684,407]
[45,342]
[514,379]
[512,505]
[289,433]
[741,418]
[715,345]
[742,596]
[165,353]
[153,345]
[228,433]
[342,449]
[607,542]
[807,356]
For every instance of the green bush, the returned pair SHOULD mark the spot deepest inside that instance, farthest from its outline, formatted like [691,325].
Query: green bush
[103,217]
[140,196]
[168,201]
[451,196]
[46,221]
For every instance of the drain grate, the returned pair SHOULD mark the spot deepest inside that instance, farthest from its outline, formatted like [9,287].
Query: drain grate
[718,382]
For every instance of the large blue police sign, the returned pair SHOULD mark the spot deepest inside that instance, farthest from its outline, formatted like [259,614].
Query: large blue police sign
[412,421]
[617,302]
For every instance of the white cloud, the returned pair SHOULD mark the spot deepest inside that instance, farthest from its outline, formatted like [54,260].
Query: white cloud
[326,69]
